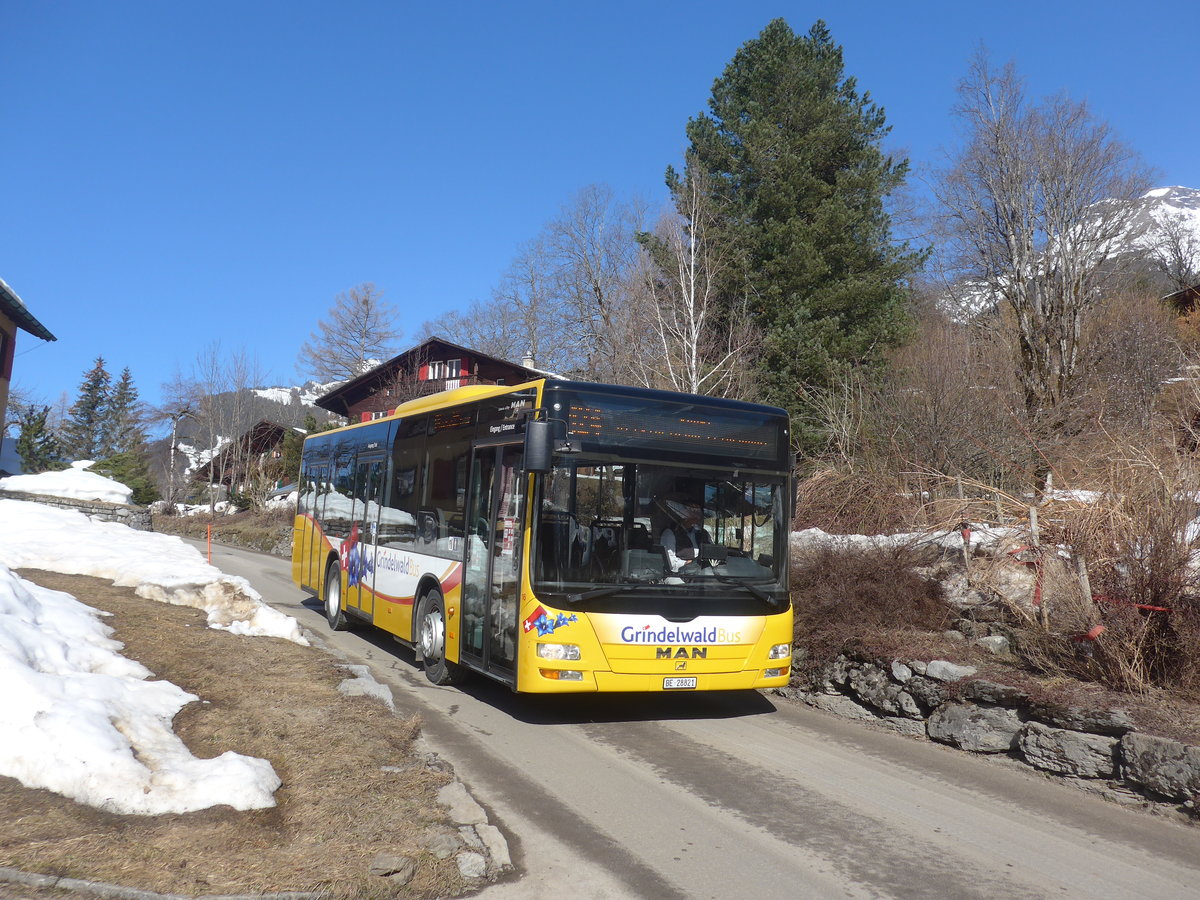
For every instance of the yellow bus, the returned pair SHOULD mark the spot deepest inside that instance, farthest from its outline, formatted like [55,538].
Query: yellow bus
[559,536]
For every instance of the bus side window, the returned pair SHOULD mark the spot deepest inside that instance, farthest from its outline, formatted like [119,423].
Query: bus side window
[398,522]
[447,450]
[339,502]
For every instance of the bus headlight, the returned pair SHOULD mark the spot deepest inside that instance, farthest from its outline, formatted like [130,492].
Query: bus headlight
[774,673]
[561,674]
[558,651]
[780,651]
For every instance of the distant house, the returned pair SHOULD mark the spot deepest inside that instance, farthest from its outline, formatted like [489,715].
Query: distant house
[432,366]
[256,456]
[1184,301]
[13,316]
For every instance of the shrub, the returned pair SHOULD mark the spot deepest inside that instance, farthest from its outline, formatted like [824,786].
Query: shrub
[847,599]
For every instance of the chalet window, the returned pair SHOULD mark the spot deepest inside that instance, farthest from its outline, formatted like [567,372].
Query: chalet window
[445,368]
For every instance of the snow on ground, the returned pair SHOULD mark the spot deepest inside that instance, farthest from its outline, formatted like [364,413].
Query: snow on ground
[82,720]
[76,483]
[157,566]
[983,537]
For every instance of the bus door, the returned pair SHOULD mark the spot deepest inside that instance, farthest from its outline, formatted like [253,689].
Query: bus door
[492,565]
[360,557]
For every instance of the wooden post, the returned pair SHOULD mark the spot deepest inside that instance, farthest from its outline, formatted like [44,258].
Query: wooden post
[1081,569]
[210,543]
[1035,537]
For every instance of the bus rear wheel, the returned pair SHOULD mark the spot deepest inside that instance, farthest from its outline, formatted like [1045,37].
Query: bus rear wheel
[333,597]
[431,641]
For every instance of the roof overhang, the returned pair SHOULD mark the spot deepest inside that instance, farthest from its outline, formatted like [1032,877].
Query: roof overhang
[11,306]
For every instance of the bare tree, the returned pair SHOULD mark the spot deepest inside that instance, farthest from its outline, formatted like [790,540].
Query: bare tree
[1035,202]
[1176,252]
[592,256]
[357,333]
[524,317]
[571,298]
[703,341]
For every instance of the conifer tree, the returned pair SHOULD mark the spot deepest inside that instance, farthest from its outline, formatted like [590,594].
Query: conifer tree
[791,151]
[36,444]
[82,432]
[122,423]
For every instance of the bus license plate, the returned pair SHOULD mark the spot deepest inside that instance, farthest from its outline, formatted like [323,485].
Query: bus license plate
[677,684]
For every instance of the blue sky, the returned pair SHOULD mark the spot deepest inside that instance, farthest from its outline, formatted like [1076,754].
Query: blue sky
[174,174]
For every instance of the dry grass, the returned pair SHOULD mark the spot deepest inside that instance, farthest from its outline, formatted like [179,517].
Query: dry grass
[263,697]
[263,531]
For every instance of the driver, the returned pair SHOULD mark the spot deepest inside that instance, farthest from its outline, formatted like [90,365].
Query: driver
[682,538]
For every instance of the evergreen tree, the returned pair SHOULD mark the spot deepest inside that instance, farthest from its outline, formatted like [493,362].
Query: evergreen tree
[36,444]
[791,155]
[82,432]
[122,422]
[131,469]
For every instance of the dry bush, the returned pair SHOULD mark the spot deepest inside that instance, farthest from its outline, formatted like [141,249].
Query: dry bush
[1136,542]
[842,500]
[851,598]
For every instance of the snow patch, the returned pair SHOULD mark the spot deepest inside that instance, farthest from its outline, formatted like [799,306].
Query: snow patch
[75,483]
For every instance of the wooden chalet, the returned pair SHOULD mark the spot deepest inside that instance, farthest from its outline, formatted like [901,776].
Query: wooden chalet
[257,452]
[432,366]
[13,317]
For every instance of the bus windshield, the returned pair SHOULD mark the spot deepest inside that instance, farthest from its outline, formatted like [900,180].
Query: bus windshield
[659,538]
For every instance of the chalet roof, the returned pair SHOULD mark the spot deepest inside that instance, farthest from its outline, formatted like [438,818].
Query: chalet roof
[341,398]
[11,306]
[1183,300]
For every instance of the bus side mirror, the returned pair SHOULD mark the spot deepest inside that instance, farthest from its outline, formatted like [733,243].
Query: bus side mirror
[539,446]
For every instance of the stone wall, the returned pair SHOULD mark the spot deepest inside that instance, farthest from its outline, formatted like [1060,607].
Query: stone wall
[946,703]
[134,516]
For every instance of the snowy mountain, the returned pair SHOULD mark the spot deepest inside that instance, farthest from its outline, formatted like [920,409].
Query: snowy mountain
[1166,214]
[1162,240]
[305,394]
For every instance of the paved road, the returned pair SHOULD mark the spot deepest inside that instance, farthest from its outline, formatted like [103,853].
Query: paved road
[744,795]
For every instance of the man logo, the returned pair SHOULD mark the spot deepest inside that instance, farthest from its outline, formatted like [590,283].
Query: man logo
[681,666]
[680,653]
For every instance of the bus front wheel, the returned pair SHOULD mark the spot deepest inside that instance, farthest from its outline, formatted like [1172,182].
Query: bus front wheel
[431,641]
[333,597]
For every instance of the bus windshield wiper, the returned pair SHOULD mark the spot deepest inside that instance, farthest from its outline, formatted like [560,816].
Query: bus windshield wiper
[606,591]
[738,582]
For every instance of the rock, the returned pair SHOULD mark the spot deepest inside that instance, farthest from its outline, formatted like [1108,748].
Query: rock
[462,808]
[954,635]
[872,685]
[1067,752]
[990,692]
[900,671]
[994,643]
[917,666]
[967,628]
[840,705]
[1098,721]
[839,670]
[914,727]
[442,843]
[472,864]
[948,671]
[399,869]
[980,729]
[925,691]
[497,846]
[1161,765]
[470,837]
